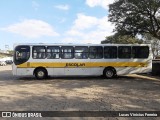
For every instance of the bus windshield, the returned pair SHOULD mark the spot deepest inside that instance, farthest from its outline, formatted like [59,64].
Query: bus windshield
[21,55]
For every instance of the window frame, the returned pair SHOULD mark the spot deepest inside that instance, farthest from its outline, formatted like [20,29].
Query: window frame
[125,53]
[53,52]
[17,48]
[110,47]
[81,52]
[62,53]
[95,52]
[139,53]
[38,52]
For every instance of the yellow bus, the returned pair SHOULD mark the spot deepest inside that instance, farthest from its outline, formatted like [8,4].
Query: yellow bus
[109,60]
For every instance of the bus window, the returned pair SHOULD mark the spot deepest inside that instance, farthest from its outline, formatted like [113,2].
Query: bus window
[110,52]
[67,52]
[124,52]
[22,54]
[53,52]
[95,52]
[140,51]
[81,52]
[39,52]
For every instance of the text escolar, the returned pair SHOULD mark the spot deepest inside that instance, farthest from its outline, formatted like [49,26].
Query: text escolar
[75,64]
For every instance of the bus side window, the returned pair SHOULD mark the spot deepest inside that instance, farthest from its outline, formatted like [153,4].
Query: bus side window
[67,52]
[81,52]
[140,52]
[39,52]
[49,55]
[53,52]
[124,52]
[95,52]
[110,52]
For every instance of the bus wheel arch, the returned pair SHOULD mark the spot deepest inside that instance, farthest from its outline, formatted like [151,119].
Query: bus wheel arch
[109,72]
[40,73]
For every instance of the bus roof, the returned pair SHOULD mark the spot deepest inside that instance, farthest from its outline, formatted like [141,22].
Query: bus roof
[75,44]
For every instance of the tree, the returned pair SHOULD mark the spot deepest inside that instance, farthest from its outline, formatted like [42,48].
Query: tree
[132,17]
[155,43]
[119,39]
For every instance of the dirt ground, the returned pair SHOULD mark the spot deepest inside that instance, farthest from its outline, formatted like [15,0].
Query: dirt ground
[124,93]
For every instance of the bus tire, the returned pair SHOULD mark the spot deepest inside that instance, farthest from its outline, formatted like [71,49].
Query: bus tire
[109,72]
[40,73]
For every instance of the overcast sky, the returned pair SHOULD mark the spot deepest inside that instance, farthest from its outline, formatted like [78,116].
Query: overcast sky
[53,21]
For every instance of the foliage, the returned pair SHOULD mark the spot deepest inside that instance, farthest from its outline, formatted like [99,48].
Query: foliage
[132,17]
[155,43]
[119,39]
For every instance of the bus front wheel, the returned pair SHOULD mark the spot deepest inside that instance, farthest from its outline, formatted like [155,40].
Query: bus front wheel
[109,73]
[40,73]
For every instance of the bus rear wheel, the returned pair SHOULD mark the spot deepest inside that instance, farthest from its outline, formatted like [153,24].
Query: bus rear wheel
[109,73]
[40,73]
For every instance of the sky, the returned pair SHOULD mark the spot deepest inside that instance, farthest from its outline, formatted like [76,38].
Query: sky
[53,21]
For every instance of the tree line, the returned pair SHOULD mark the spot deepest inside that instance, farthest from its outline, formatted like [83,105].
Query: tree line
[136,21]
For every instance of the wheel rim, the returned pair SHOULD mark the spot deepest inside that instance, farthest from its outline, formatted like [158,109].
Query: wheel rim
[109,73]
[40,74]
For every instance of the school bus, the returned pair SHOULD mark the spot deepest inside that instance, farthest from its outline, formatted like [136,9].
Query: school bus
[109,60]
